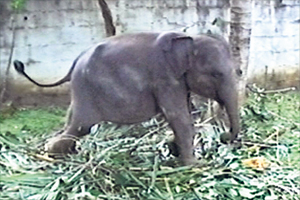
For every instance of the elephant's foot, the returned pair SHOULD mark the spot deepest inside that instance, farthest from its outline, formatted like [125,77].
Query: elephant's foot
[188,160]
[61,145]
[226,138]
[184,159]
[174,149]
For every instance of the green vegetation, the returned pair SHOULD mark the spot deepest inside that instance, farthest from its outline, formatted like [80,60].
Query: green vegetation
[18,4]
[28,122]
[133,162]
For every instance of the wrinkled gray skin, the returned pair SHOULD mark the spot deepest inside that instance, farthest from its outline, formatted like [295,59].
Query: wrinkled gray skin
[130,78]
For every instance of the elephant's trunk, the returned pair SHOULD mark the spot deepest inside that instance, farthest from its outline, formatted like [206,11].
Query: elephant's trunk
[229,96]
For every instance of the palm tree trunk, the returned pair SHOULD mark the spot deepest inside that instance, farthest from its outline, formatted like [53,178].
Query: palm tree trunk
[108,20]
[240,33]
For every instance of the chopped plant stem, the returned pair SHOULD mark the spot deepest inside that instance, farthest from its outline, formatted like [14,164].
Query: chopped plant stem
[134,162]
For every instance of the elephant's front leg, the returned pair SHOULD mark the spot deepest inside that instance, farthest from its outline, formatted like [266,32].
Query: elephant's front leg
[184,134]
[174,105]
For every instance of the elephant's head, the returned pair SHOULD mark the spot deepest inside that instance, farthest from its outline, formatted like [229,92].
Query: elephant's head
[207,66]
[214,76]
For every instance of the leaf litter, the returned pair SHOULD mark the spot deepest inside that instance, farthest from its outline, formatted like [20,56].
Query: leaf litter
[134,162]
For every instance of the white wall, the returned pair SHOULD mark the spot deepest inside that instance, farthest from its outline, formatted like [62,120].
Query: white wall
[275,37]
[51,33]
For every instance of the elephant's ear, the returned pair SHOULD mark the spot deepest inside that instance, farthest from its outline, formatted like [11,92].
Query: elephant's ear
[179,54]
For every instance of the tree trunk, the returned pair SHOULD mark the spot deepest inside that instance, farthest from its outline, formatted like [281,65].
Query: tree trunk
[108,20]
[5,79]
[240,33]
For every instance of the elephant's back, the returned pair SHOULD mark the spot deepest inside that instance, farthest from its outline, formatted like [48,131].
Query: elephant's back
[133,38]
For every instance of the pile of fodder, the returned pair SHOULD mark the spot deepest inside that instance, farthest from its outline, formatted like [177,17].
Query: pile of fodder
[134,162]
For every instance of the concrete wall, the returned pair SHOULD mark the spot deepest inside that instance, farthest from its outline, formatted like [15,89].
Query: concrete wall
[49,34]
[274,47]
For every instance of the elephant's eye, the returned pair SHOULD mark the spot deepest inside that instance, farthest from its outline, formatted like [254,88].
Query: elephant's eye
[239,72]
[217,75]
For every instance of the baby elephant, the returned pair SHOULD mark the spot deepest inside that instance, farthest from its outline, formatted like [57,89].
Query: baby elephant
[130,78]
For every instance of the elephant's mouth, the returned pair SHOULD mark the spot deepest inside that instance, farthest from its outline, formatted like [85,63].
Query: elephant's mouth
[220,101]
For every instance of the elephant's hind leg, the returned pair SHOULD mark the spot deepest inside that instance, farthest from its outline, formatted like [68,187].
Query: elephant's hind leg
[80,122]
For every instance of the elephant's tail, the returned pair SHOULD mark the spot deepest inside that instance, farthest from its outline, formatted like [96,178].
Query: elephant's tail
[19,66]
